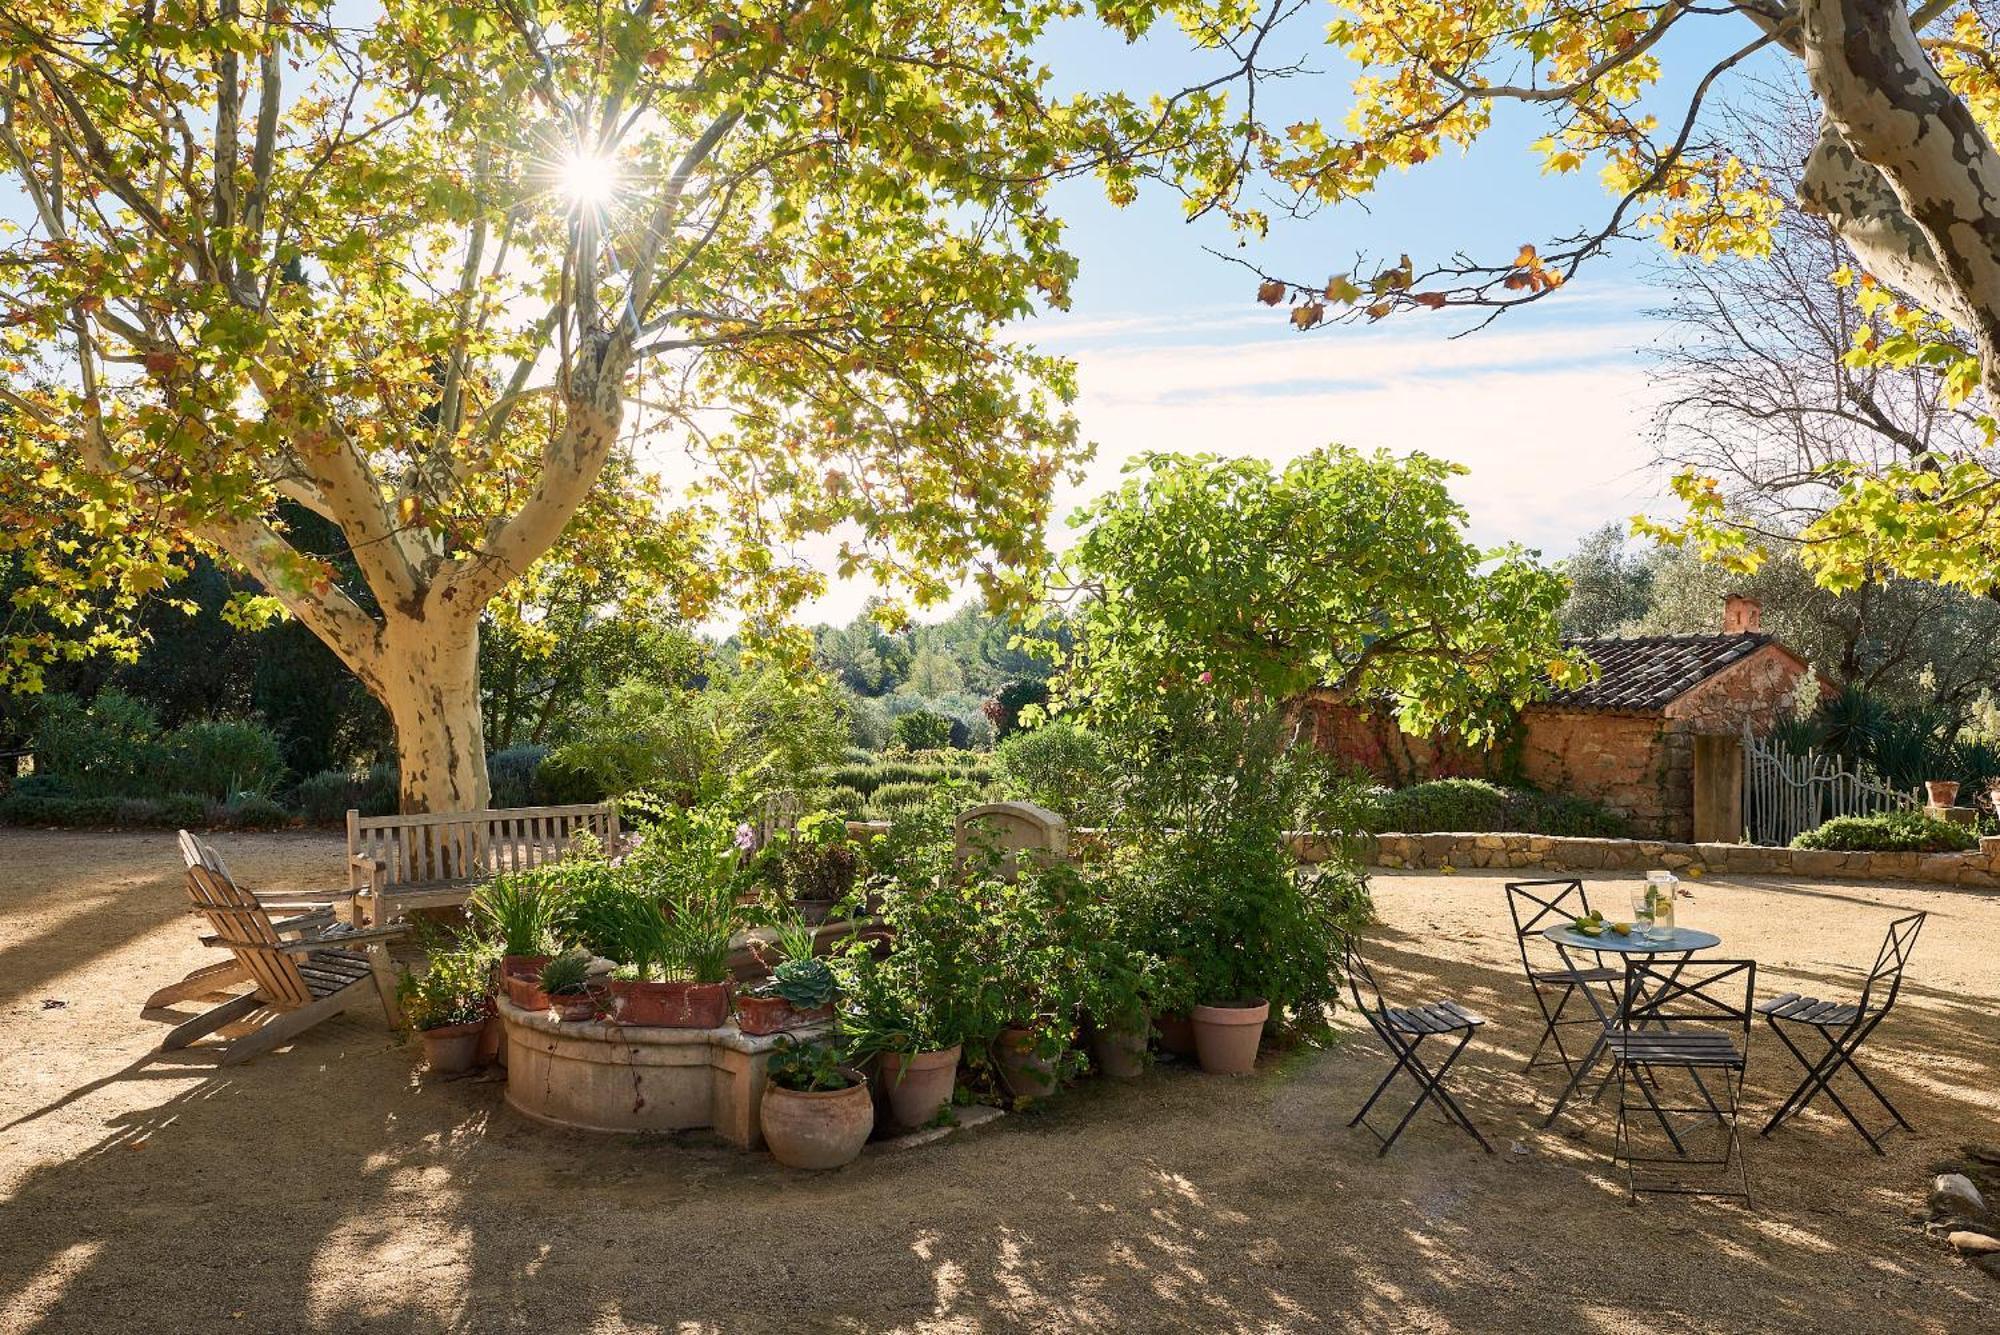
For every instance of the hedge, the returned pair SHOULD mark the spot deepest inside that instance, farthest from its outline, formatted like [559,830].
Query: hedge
[1891,832]
[1479,806]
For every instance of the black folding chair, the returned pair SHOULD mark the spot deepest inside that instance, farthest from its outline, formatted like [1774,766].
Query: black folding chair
[1404,1030]
[1683,1016]
[1537,906]
[1843,1027]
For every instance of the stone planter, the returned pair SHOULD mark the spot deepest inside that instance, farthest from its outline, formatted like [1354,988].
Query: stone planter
[673,1005]
[1226,1037]
[1176,1034]
[817,1130]
[450,1049]
[775,1015]
[1120,1052]
[1026,1074]
[1941,792]
[918,1085]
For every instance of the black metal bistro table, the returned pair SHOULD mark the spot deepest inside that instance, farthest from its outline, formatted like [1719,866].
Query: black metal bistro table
[1681,942]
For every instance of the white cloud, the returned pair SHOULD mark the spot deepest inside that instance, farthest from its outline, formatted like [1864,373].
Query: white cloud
[1551,421]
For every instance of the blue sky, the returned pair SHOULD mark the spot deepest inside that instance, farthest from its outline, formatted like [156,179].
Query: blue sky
[1549,407]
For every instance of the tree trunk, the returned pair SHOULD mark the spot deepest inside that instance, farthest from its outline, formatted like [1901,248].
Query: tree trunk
[429,682]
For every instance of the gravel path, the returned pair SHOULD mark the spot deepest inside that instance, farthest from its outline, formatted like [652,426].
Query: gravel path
[331,1188]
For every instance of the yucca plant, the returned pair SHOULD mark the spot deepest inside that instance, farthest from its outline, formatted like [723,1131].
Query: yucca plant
[567,975]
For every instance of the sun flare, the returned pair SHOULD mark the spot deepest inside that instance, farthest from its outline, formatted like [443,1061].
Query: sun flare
[588,178]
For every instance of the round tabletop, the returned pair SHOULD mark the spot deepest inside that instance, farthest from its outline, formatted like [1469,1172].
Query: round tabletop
[1679,940]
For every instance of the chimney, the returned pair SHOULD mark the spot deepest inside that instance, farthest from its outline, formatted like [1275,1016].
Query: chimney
[1741,614]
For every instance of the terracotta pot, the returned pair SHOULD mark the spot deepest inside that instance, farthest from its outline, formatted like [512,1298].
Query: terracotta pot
[1026,1074]
[450,1049]
[527,966]
[492,1041]
[1176,1034]
[1226,1037]
[671,1005]
[818,1130]
[1942,792]
[1120,1051]
[775,1015]
[525,992]
[573,1007]
[918,1084]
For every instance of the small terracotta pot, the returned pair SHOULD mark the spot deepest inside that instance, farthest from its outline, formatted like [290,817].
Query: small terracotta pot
[918,1084]
[775,1015]
[671,1005]
[1226,1037]
[450,1049]
[820,1130]
[527,966]
[1120,1051]
[1176,1034]
[492,1041]
[1026,1074]
[1942,792]
[573,1007]
[525,992]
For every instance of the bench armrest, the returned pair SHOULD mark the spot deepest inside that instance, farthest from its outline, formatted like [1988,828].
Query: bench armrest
[342,940]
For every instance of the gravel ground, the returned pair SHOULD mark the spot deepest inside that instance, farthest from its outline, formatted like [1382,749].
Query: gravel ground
[331,1187]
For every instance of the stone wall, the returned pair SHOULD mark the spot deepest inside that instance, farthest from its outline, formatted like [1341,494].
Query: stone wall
[1980,867]
[1635,764]
[1754,692]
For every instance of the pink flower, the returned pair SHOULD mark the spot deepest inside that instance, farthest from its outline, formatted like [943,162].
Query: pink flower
[746,837]
[1206,679]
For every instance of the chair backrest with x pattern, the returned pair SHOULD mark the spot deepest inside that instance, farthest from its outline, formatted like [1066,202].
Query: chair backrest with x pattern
[1539,905]
[1684,992]
[1888,971]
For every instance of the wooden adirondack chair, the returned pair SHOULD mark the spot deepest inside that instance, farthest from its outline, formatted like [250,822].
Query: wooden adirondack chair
[314,913]
[325,969]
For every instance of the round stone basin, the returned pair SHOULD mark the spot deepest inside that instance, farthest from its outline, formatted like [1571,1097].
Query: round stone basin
[600,1076]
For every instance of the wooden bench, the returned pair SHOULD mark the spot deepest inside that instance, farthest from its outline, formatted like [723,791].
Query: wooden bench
[434,860]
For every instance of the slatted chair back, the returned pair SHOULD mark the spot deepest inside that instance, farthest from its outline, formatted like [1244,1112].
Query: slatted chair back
[1537,906]
[1358,973]
[198,852]
[1885,980]
[1717,995]
[243,925]
[436,847]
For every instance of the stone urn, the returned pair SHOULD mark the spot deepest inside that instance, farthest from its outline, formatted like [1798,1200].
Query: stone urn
[1942,792]
[817,1129]
[1226,1036]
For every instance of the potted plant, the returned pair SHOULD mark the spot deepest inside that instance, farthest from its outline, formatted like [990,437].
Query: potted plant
[817,866]
[566,981]
[816,1113]
[679,916]
[800,990]
[1043,921]
[519,911]
[448,1003]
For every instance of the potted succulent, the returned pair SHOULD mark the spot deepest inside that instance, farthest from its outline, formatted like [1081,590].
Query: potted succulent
[519,911]
[800,990]
[566,982]
[448,1003]
[816,1113]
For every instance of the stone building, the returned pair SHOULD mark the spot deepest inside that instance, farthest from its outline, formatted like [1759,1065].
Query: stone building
[1656,737]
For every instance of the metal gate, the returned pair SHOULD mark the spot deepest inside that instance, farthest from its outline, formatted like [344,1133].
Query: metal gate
[1785,794]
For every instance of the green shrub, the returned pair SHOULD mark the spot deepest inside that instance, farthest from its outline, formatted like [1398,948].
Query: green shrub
[1058,765]
[920,730]
[1891,832]
[70,813]
[376,794]
[847,800]
[857,755]
[862,779]
[515,776]
[254,811]
[1478,806]
[108,748]
[453,987]
[324,798]
[220,758]
[900,796]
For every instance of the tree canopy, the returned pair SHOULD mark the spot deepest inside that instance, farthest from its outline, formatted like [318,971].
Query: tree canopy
[663,287]
[1345,571]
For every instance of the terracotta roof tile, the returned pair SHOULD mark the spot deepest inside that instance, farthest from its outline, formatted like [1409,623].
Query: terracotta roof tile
[1645,672]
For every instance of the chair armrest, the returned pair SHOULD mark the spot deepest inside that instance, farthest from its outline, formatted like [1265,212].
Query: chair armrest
[342,940]
[319,917]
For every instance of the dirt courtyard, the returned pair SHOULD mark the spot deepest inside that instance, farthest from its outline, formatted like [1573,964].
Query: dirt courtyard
[331,1187]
